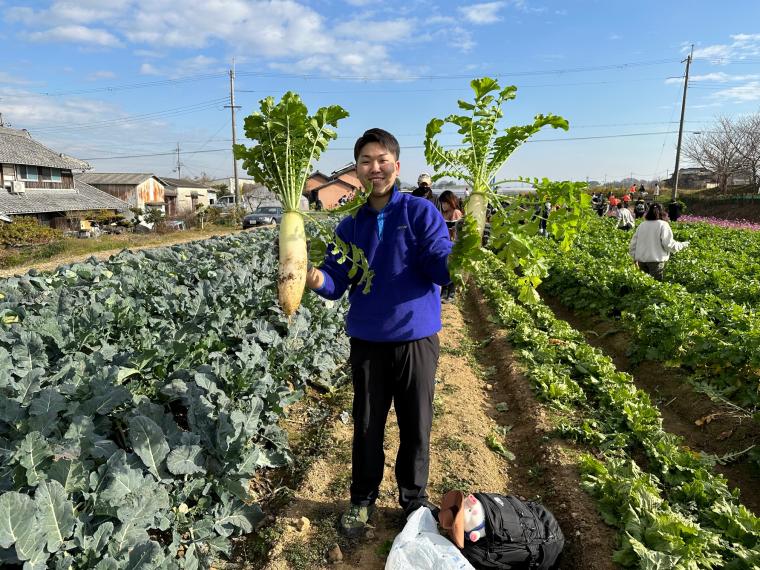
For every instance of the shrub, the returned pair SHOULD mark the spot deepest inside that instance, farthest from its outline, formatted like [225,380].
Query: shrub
[26,230]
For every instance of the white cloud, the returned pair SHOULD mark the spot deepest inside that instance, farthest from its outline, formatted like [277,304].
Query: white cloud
[376,31]
[485,13]
[101,75]
[147,53]
[740,94]
[279,31]
[148,69]
[8,79]
[460,39]
[76,34]
[438,19]
[359,2]
[743,46]
[718,77]
[26,109]
[613,36]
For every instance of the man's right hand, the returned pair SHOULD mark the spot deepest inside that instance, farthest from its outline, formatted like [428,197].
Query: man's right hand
[314,278]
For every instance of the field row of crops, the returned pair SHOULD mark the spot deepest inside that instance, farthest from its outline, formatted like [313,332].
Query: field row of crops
[702,317]
[672,510]
[138,397]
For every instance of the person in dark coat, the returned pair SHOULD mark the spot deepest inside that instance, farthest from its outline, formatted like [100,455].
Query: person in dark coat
[674,210]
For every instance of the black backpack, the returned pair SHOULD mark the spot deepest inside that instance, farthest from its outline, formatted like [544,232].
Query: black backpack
[519,535]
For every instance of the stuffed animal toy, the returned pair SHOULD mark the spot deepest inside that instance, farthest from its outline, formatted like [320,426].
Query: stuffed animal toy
[474,519]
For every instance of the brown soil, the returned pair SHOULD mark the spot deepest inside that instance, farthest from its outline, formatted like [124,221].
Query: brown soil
[704,424]
[471,381]
[155,241]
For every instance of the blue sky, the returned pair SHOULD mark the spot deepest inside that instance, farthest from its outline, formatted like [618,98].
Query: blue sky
[99,79]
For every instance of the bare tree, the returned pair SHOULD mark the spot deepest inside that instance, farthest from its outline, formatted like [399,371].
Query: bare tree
[203,178]
[255,194]
[715,151]
[746,138]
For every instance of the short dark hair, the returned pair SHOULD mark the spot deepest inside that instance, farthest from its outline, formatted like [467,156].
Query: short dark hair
[379,136]
[654,212]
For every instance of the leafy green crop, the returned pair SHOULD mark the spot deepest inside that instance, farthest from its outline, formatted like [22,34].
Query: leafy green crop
[483,153]
[711,335]
[138,397]
[678,515]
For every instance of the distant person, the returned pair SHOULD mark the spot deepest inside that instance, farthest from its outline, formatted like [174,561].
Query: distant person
[625,218]
[542,212]
[640,208]
[626,198]
[423,189]
[674,210]
[452,213]
[652,243]
[642,190]
[656,190]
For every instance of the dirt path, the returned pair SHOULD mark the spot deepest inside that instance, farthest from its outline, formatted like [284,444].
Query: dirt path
[704,424]
[468,383]
[165,240]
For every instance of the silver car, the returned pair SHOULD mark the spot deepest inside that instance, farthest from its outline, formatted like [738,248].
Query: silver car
[262,216]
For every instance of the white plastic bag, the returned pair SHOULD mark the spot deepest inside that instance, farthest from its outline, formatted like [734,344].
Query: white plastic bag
[420,547]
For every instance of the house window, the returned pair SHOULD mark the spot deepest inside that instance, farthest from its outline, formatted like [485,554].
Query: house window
[26,172]
[49,174]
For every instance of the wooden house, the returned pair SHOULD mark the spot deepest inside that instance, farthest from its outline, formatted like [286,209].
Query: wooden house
[136,189]
[39,182]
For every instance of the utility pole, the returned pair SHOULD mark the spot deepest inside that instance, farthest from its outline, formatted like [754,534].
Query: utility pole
[179,165]
[680,126]
[238,197]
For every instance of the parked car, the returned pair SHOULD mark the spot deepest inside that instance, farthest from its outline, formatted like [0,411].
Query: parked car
[225,202]
[262,216]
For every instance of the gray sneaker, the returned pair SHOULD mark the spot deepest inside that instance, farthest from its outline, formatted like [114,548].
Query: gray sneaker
[355,520]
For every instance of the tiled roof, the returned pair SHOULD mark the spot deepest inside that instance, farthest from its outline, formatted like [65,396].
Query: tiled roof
[38,201]
[127,178]
[18,147]
[180,183]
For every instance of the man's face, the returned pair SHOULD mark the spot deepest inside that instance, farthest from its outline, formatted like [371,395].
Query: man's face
[377,166]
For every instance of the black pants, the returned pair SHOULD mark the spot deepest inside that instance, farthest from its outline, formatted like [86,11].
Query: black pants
[402,373]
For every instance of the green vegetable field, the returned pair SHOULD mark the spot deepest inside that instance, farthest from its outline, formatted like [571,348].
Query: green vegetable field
[156,408]
[143,394]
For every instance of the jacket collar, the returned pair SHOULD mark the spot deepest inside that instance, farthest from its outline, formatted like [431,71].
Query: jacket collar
[394,199]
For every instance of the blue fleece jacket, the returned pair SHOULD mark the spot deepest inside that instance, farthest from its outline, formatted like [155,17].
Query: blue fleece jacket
[408,255]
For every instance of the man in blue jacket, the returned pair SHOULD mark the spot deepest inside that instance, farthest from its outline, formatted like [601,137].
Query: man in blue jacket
[393,329]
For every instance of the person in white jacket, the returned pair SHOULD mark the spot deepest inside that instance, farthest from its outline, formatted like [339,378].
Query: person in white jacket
[625,217]
[652,243]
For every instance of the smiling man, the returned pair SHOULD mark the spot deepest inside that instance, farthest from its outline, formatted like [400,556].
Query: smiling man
[393,328]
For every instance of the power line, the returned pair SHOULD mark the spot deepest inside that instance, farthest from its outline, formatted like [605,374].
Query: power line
[203,105]
[607,67]
[623,135]
[463,88]
[208,76]
[140,85]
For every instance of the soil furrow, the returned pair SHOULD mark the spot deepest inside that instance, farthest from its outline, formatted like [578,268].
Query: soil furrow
[545,467]
[704,424]
[473,384]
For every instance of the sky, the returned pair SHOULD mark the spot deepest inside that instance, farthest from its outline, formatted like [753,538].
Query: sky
[122,83]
